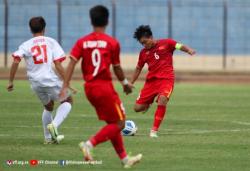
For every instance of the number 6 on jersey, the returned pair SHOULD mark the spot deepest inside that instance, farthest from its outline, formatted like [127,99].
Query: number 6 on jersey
[96,60]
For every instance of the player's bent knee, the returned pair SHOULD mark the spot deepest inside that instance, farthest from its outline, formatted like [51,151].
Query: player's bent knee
[140,108]
[163,100]
[137,108]
[69,100]
[49,106]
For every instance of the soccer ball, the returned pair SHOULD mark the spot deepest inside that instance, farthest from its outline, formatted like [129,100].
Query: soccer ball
[130,128]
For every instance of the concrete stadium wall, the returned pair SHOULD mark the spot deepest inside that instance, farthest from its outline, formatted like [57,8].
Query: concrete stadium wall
[197,63]
[181,62]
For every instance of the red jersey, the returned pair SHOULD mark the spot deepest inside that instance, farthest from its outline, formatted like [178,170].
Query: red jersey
[98,51]
[159,59]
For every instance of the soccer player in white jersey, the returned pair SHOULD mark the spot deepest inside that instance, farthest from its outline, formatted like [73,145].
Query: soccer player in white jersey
[40,53]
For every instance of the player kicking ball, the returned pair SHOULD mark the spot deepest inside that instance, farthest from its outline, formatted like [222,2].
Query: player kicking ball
[158,55]
[40,53]
[97,51]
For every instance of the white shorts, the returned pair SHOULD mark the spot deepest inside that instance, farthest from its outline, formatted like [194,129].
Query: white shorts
[47,94]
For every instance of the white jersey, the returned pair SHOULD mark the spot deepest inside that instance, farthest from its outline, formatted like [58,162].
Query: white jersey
[39,54]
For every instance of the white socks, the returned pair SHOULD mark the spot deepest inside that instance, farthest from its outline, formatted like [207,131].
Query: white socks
[61,113]
[47,119]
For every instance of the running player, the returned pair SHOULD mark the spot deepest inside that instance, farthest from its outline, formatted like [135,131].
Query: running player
[40,53]
[98,51]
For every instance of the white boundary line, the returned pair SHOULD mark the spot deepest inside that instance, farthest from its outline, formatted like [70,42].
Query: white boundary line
[86,116]
[241,123]
[187,132]
[162,132]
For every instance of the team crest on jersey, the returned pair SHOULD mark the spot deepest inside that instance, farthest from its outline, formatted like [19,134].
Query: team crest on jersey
[161,47]
[147,52]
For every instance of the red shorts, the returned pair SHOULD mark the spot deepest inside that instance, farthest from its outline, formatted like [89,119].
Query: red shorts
[106,101]
[153,88]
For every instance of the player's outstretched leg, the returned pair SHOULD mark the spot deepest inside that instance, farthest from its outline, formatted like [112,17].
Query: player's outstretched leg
[48,127]
[61,114]
[132,160]
[112,131]
[106,133]
[86,150]
[127,161]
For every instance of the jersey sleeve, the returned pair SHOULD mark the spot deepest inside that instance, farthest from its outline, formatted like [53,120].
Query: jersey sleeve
[141,61]
[171,44]
[20,53]
[76,51]
[116,54]
[58,53]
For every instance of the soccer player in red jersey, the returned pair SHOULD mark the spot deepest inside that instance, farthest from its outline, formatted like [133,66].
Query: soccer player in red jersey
[98,51]
[158,55]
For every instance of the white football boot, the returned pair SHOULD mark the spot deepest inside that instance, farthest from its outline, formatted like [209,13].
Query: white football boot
[153,134]
[86,151]
[132,160]
[54,133]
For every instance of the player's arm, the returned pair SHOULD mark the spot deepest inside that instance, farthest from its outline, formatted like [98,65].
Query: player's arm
[127,87]
[136,74]
[185,48]
[60,69]
[13,71]
[61,72]
[67,77]
[139,66]
[69,72]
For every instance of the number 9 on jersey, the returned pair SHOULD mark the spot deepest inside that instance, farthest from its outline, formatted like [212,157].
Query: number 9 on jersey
[96,61]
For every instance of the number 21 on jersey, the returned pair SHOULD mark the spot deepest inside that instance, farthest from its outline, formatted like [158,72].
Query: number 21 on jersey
[39,54]
[96,60]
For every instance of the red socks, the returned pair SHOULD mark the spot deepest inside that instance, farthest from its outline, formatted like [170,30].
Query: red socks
[110,132]
[106,133]
[159,115]
[117,142]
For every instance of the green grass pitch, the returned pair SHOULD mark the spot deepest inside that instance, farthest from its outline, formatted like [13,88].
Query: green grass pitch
[207,128]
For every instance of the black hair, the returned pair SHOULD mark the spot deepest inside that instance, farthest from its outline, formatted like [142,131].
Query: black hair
[99,15]
[142,31]
[37,24]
